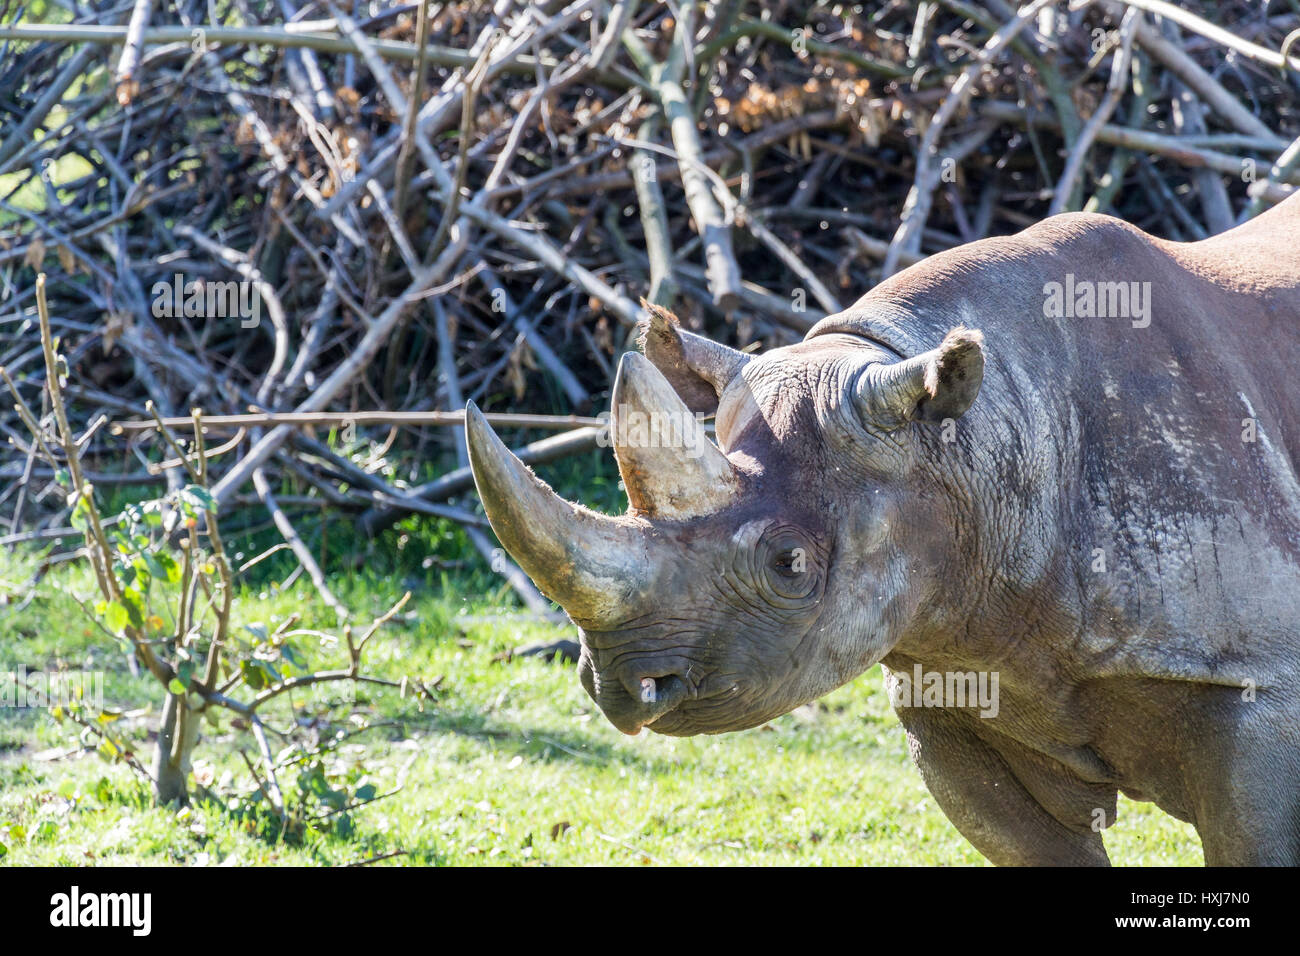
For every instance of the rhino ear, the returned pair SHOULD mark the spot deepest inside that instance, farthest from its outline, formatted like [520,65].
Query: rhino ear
[931,387]
[697,368]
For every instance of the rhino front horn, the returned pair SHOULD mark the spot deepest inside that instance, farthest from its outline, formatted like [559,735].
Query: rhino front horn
[592,565]
[670,468]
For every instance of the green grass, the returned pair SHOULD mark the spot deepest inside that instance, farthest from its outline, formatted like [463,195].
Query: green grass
[509,764]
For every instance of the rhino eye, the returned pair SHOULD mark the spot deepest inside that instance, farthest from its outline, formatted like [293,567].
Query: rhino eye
[789,563]
[794,570]
[779,564]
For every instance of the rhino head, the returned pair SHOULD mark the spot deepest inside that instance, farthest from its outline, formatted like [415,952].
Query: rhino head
[751,576]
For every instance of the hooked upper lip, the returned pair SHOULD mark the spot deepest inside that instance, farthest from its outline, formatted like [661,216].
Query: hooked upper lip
[656,696]
[636,703]
[659,695]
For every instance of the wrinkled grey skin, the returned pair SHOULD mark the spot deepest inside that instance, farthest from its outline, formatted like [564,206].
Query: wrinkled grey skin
[980,553]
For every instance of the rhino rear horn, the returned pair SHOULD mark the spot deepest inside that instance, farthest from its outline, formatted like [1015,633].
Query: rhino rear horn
[670,468]
[594,566]
[698,369]
[931,387]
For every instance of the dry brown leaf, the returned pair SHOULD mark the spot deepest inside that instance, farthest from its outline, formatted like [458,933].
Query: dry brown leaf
[67,259]
[35,254]
[515,373]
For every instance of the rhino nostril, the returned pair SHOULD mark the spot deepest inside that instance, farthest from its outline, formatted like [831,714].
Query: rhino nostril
[654,692]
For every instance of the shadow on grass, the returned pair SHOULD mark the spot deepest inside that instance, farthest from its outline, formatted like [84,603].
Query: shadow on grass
[532,742]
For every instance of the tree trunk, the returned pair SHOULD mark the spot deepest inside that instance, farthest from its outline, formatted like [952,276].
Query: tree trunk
[178,732]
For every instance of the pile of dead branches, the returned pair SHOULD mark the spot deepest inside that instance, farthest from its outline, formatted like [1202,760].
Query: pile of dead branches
[297,215]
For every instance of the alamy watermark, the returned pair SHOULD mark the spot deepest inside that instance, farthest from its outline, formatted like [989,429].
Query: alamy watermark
[1085,299]
[634,428]
[922,688]
[208,299]
[22,688]
[74,909]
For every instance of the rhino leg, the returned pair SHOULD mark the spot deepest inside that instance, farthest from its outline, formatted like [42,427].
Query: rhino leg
[1245,797]
[979,793]
[1230,839]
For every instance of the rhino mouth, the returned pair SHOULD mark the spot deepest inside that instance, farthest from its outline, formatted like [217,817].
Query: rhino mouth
[634,702]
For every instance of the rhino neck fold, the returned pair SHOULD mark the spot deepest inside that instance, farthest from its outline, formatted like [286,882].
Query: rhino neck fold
[899,332]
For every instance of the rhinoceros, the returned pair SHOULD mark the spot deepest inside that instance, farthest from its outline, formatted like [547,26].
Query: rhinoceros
[1065,458]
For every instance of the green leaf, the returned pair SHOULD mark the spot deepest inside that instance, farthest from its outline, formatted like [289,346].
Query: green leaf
[80,513]
[156,570]
[290,654]
[169,571]
[134,605]
[199,498]
[116,617]
[147,514]
[143,571]
[252,673]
